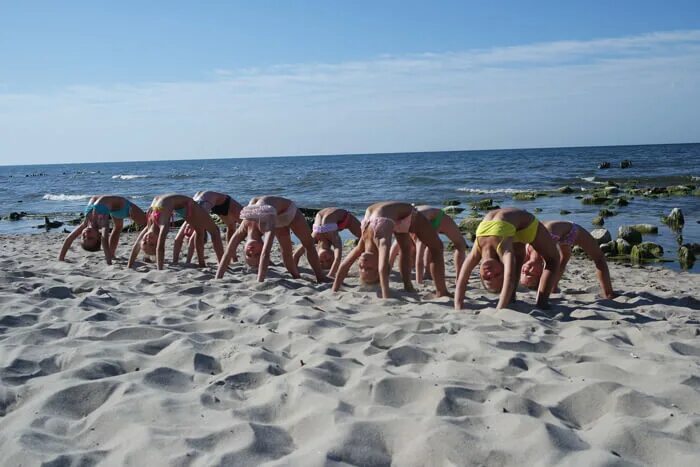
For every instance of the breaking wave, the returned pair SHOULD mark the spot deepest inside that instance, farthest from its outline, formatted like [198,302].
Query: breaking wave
[64,197]
[128,177]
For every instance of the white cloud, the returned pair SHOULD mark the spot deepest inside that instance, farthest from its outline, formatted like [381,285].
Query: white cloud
[639,89]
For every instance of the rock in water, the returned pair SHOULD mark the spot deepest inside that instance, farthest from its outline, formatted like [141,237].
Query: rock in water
[686,255]
[622,247]
[626,233]
[675,220]
[601,236]
[608,249]
[645,228]
[565,190]
[598,220]
[646,250]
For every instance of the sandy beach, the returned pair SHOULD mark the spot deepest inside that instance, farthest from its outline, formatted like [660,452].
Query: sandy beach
[107,366]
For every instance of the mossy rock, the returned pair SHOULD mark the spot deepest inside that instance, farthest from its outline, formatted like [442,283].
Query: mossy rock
[133,227]
[565,190]
[610,183]
[452,210]
[599,221]
[541,194]
[77,220]
[484,205]
[645,228]
[524,196]
[622,247]
[608,249]
[696,193]
[611,190]
[605,212]
[450,246]
[621,201]
[686,256]
[679,190]
[578,252]
[564,212]
[309,212]
[645,251]
[451,202]
[468,226]
[675,220]
[636,191]
[351,243]
[601,235]
[628,234]
[537,209]
[595,200]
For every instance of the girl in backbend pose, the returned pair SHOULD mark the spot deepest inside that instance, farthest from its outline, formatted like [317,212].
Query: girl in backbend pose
[566,235]
[162,210]
[225,207]
[443,224]
[381,222]
[326,230]
[500,241]
[265,218]
[93,231]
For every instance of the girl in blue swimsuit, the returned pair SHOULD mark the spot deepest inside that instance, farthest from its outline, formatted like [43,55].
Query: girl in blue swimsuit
[94,230]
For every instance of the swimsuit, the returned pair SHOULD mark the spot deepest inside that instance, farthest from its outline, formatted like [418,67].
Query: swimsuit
[122,213]
[505,230]
[219,209]
[438,219]
[569,238]
[99,209]
[267,217]
[156,210]
[386,226]
[222,209]
[332,227]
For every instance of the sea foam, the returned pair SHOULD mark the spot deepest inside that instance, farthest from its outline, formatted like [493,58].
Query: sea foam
[64,197]
[128,177]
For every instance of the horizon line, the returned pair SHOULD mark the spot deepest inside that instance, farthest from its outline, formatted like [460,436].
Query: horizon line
[352,154]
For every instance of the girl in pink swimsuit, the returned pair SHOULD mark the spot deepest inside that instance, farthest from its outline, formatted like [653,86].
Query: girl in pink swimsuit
[381,221]
[567,235]
[328,224]
[265,218]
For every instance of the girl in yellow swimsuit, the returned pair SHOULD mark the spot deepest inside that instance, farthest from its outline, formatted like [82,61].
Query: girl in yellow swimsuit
[500,247]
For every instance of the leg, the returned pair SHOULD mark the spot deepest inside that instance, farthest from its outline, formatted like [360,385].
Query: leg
[287,249]
[303,232]
[404,242]
[427,234]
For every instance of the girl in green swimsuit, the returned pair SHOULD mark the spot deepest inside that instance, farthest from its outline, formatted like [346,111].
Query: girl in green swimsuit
[444,225]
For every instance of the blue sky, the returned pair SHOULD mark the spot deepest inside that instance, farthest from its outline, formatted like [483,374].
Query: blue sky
[99,81]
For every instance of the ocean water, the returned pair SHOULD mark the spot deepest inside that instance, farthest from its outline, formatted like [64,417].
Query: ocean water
[356,181]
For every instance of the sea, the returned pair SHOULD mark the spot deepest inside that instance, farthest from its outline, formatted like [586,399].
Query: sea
[60,191]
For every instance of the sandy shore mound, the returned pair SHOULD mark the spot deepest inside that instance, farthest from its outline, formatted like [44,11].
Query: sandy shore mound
[105,365]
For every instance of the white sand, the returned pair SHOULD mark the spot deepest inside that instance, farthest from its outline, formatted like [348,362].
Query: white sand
[102,365]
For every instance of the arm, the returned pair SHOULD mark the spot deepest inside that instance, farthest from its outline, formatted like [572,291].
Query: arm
[69,240]
[337,254]
[160,247]
[463,278]
[298,254]
[420,260]
[114,236]
[590,246]
[136,248]
[383,247]
[106,245]
[177,244]
[347,264]
[230,253]
[510,279]
[265,255]
[393,254]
